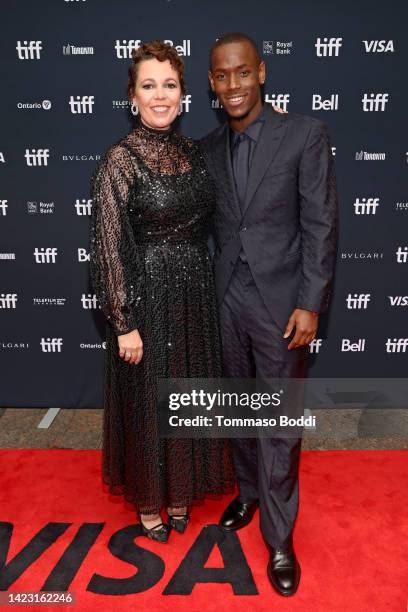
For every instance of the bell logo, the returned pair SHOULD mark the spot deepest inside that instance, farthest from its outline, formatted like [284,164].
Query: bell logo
[378,46]
[327,47]
[358,346]
[374,102]
[331,103]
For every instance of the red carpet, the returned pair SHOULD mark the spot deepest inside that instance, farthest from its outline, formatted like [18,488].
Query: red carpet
[351,540]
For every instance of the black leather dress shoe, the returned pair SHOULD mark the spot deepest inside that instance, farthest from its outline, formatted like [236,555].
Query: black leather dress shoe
[283,571]
[237,515]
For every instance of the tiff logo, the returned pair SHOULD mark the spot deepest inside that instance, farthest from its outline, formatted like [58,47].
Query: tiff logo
[29,49]
[45,255]
[396,345]
[124,48]
[357,301]
[81,104]
[327,47]
[281,100]
[367,206]
[402,254]
[37,157]
[315,345]
[185,103]
[83,207]
[378,46]
[8,300]
[347,345]
[89,301]
[374,102]
[3,207]
[331,103]
[51,345]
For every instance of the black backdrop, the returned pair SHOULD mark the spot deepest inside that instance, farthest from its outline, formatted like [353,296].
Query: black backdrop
[64,73]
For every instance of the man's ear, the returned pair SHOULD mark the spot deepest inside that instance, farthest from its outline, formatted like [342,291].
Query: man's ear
[262,72]
[210,78]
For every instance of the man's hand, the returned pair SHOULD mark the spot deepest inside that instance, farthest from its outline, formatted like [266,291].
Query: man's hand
[131,347]
[305,322]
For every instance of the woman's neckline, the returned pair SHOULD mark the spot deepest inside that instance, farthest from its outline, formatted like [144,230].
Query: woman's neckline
[155,131]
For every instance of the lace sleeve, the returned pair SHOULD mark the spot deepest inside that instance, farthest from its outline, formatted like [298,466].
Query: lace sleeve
[114,260]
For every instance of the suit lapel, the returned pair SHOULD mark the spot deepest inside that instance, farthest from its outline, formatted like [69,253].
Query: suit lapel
[269,142]
[223,167]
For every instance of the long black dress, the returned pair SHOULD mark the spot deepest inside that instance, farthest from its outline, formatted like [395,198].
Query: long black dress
[151,270]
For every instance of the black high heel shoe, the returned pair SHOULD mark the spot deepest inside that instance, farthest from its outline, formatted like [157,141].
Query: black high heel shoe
[159,533]
[179,522]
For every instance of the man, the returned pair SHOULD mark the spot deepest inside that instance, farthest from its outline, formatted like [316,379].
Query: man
[275,230]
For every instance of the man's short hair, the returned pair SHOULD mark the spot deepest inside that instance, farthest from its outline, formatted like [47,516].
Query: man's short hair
[232,37]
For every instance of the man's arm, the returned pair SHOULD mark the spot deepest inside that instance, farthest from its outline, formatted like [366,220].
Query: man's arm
[319,224]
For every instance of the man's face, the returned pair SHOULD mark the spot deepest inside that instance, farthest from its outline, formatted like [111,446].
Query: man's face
[235,77]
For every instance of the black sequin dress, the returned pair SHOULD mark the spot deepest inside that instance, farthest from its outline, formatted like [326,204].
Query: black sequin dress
[151,270]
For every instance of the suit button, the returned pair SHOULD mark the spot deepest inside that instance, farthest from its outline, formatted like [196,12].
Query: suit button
[243,229]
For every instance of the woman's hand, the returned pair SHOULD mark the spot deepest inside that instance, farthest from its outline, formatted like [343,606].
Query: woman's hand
[131,347]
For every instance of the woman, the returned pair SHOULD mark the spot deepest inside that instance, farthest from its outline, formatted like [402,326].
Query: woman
[152,274]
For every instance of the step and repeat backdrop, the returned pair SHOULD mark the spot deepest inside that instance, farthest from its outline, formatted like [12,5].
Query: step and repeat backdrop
[64,70]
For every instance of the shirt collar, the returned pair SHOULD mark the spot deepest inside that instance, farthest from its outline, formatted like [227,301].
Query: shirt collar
[253,130]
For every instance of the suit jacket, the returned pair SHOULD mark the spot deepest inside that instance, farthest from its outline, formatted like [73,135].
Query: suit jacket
[288,228]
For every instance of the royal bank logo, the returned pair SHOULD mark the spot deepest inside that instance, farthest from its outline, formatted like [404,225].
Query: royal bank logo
[29,49]
[8,301]
[45,255]
[51,345]
[328,104]
[37,157]
[366,156]
[358,301]
[328,47]
[83,207]
[366,206]
[42,208]
[69,49]
[3,208]
[44,105]
[80,105]
[378,46]
[396,345]
[124,48]
[398,300]
[281,100]
[89,301]
[374,102]
[354,347]
[277,47]
[402,254]
[315,345]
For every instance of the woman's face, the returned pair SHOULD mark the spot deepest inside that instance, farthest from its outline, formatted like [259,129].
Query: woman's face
[157,93]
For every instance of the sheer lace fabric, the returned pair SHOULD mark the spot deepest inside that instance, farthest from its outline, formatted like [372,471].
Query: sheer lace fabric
[150,269]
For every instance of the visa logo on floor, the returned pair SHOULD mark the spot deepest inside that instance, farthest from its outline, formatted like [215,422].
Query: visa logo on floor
[149,566]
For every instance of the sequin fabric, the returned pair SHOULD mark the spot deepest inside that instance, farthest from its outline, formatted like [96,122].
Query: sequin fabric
[150,269]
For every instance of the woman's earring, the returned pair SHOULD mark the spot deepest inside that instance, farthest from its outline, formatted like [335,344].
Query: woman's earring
[134,109]
[180,108]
